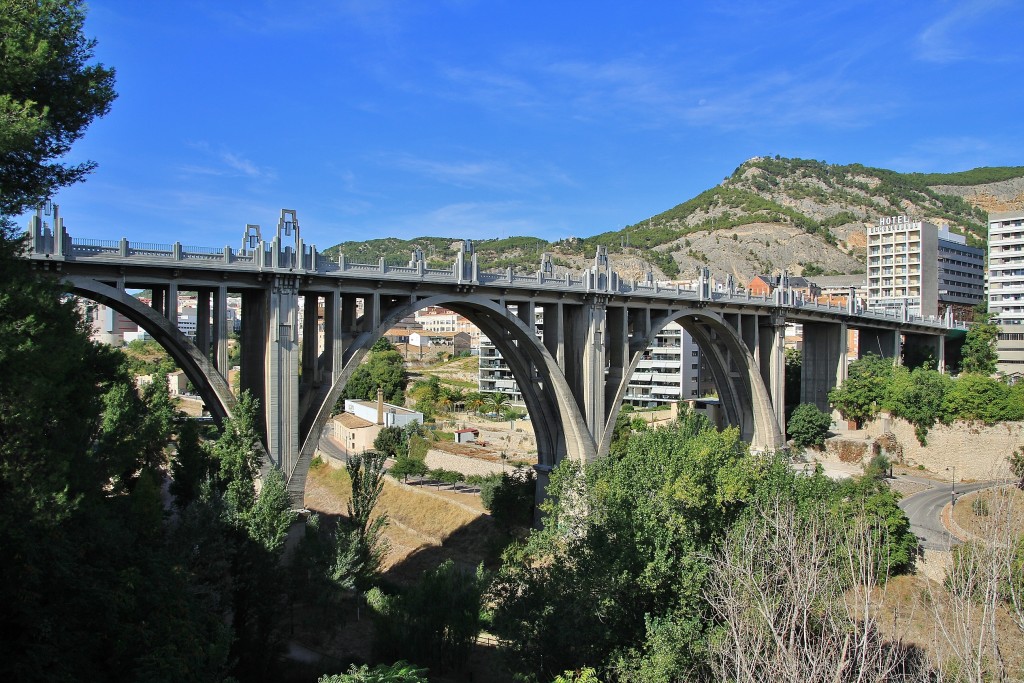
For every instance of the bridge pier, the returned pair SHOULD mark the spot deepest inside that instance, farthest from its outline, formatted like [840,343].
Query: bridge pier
[771,345]
[881,342]
[824,362]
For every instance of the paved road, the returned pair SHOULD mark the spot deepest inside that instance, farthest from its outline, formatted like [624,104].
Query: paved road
[924,510]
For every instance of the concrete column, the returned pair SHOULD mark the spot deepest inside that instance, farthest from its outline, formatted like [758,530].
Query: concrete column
[203,331]
[776,368]
[333,335]
[310,341]
[554,332]
[159,302]
[255,329]
[172,303]
[281,373]
[824,353]
[220,329]
[593,360]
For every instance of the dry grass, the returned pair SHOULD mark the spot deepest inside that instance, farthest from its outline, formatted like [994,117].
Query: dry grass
[995,505]
[427,526]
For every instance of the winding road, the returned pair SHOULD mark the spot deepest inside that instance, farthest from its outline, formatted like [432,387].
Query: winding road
[924,510]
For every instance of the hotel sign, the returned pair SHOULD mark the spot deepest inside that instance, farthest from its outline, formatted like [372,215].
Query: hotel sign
[891,224]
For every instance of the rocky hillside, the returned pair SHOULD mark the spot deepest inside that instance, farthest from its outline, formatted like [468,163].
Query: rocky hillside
[770,214]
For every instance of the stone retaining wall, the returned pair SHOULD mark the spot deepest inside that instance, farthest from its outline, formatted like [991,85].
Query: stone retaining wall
[976,451]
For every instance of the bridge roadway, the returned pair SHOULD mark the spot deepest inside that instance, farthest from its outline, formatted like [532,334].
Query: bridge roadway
[573,374]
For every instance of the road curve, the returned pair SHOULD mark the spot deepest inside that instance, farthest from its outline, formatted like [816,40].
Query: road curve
[924,510]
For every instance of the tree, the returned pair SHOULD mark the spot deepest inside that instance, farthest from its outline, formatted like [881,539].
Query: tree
[391,442]
[979,351]
[808,426]
[917,397]
[399,672]
[190,465]
[238,456]
[435,621]
[1016,460]
[407,465]
[509,497]
[383,369]
[862,393]
[49,94]
[361,545]
[792,608]
[497,402]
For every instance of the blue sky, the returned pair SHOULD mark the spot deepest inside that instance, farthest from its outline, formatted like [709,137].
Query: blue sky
[490,118]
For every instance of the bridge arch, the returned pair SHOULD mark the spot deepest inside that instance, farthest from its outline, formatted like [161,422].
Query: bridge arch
[210,384]
[743,394]
[558,425]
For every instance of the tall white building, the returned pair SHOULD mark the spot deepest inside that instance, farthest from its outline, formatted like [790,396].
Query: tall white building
[913,264]
[1006,287]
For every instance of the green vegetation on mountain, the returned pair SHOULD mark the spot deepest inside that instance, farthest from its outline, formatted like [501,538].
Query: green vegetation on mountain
[826,201]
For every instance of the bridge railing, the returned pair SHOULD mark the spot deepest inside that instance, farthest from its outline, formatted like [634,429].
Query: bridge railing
[262,256]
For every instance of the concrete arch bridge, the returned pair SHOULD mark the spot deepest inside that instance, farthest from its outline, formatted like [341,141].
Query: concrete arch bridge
[573,377]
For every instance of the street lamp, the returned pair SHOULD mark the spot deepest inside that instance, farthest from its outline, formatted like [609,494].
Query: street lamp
[952,489]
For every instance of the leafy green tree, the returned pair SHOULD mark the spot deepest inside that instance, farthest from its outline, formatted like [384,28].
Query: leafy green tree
[979,351]
[361,545]
[808,426]
[862,394]
[391,442]
[271,516]
[435,621]
[237,455]
[399,672]
[979,397]
[917,397]
[406,466]
[619,548]
[383,369]
[49,94]
[382,345]
[509,497]
[190,466]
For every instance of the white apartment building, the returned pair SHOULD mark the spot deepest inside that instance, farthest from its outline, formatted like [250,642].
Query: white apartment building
[1006,287]
[669,370]
[913,264]
[437,319]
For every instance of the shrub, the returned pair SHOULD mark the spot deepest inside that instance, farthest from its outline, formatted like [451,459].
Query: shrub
[808,426]
[509,497]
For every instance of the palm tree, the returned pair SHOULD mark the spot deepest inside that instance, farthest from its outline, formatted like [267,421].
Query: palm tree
[474,401]
[456,397]
[498,402]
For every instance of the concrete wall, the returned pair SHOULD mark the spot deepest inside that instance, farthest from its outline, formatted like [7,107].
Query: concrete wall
[978,452]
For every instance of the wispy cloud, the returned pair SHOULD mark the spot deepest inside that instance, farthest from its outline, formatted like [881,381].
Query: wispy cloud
[477,173]
[225,163]
[949,37]
[648,92]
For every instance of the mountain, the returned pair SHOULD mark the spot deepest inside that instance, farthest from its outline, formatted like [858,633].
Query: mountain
[770,214]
